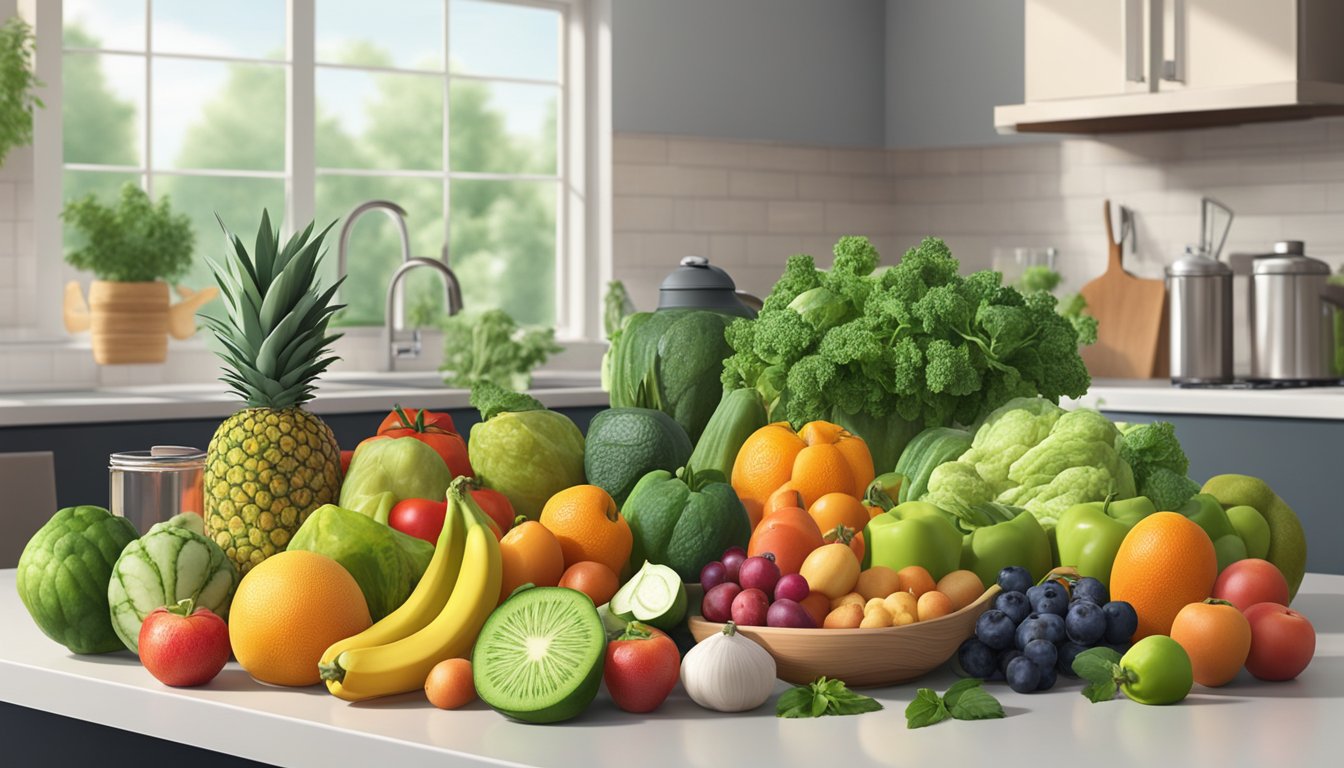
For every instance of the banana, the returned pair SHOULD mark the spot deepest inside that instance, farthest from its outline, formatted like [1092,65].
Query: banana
[426,601]
[364,672]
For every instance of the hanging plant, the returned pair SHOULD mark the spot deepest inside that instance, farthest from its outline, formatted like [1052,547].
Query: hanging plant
[17,83]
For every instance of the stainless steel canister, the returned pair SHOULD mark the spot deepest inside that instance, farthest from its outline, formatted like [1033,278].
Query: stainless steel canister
[1292,333]
[1199,300]
[148,487]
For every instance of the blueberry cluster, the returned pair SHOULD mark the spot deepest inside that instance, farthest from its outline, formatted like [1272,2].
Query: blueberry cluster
[1033,633]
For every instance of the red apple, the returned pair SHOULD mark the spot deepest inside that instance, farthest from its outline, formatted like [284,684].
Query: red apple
[184,647]
[1250,581]
[1282,642]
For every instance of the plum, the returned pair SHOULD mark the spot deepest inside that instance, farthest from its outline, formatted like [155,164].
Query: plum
[759,572]
[788,613]
[750,608]
[717,604]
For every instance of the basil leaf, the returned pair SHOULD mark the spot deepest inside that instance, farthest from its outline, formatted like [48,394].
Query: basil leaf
[1097,666]
[926,709]
[1100,691]
[974,703]
[854,704]
[820,704]
[958,688]
[795,702]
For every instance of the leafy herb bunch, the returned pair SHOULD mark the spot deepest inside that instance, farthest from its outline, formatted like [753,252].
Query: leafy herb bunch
[135,240]
[17,82]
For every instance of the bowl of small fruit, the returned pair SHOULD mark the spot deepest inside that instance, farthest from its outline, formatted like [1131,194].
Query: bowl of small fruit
[892,627]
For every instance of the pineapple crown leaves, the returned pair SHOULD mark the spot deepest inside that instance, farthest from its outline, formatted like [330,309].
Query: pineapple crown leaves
[275,339]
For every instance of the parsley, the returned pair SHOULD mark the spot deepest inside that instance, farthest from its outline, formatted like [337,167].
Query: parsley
[964,700]
[823,697]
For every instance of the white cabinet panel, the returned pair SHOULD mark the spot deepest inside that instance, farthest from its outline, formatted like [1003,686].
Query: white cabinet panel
[1074,49]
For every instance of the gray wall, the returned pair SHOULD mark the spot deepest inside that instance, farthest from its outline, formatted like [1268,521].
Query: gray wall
[803,71]
[949,63]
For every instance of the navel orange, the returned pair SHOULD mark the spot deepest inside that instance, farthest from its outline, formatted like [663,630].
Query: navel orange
[1165,563]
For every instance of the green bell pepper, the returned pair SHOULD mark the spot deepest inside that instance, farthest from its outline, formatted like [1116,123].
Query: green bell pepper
[884,490]
[913,533]
[1204,510]
[1088,535]
[387,470]
[1000,536]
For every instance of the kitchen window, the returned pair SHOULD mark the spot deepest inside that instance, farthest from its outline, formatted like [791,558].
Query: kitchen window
[482,118]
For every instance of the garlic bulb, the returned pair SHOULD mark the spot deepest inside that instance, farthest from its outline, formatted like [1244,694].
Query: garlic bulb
[728,672]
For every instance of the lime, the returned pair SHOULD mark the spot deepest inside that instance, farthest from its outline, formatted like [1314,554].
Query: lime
[655,595]
[1156,670]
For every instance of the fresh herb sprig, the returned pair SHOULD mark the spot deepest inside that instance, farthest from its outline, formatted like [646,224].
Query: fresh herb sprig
[1100,667]
[823,697]
[966,699]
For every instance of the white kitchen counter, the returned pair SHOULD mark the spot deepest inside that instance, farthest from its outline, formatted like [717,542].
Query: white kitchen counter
[337,393]
[1245,723]
[1159,396]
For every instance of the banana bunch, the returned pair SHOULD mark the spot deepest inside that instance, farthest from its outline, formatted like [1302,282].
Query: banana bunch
[440,620]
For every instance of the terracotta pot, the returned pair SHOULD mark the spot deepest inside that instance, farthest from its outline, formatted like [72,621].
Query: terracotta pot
[129,322]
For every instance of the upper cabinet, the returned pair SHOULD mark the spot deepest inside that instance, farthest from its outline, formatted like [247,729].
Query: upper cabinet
[1117,65]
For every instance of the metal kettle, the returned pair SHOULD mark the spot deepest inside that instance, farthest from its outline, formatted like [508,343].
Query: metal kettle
[697,284]
[1292,329]
[1199,302]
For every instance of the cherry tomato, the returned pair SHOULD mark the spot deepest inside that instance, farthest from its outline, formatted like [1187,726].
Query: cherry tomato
[184,647]
[642,667]
[496,505]
[421,518]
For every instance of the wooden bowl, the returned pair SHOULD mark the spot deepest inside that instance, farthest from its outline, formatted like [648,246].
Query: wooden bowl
[862,657]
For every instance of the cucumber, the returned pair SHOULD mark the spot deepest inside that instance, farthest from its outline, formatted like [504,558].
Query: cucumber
[539,656]
[923,453]
[655,596]
[740,413]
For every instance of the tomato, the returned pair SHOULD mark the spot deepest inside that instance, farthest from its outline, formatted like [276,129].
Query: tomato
[433,429]
[346,456]
[496,505]
[421,518]
[1282,642]
[184,647]
[642,667]
[1218,638]
[1250,581]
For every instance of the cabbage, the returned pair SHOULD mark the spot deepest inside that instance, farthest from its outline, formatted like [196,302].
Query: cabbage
[385,470]
[523,450]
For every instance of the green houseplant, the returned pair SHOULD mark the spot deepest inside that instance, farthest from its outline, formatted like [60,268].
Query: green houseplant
[133,248]
[17,82]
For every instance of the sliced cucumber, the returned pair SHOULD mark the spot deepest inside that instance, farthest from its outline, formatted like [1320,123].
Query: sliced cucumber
[539,656]
[655,596]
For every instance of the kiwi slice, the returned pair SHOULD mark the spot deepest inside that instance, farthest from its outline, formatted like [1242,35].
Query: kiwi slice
[539,656]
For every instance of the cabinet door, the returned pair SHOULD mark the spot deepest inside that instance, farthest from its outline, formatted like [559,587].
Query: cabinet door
[1078,48]
[1223,43]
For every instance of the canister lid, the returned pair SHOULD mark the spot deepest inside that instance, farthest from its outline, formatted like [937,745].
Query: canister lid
[1197,263]
[1289,259]
[697,284]
[158,457]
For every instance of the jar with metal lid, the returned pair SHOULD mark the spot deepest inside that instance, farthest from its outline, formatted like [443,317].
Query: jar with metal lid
[148,487]
[1199,302]
[1292,338]
[697,284]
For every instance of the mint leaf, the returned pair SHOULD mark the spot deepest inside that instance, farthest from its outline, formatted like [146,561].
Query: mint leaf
[926,709]
[1101,691]
[795,702]
[1098,666]
[823,697]
[955,691]
[854,704]
[973,703]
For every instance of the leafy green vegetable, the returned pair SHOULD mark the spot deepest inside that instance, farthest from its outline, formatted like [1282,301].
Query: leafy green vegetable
[387,470]
[523,450]
[1159,463]
[491,399]
[914,343]
[823,697]
[17,83]
[1039,278]
[1099,667]
[965,699]
[493,347]
[134,240]
[616,306]
[1072,307]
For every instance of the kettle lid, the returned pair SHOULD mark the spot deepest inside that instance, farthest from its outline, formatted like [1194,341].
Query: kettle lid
[1197,262]
[1289,258]
[697,274]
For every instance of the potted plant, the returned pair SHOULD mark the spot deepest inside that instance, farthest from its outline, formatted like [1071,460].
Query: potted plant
[133,248]
[16,85]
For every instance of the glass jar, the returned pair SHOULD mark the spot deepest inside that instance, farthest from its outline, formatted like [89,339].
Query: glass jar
[148,487]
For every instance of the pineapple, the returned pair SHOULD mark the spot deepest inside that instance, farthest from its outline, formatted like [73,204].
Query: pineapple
[272,463]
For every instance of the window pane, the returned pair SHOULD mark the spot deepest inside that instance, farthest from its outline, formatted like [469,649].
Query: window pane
[504,40]
[504,246]
[375,244]
[379,121]
[118,24]
[237,201]
[402,33]
[106,186]
[502,127]
[101,108]
[211,114]
[251,29]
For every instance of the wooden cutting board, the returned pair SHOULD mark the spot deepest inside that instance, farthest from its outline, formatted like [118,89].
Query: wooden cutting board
[1131,312]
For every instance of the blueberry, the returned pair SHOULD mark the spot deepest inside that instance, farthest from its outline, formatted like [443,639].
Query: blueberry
[1054,627]
[1048,677]
[1034,594]
[1121,622]
[1120,648]
[1028,630]
[1085,622]
[1014,604]
[1068,651]
[1023,675]
[994,629]
[1006,658]
[1088,588]
[1052,598]
[1042,652]
[1014,578]
[977,659]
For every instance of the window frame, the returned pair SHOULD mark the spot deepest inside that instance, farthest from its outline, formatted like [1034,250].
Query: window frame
[583,159]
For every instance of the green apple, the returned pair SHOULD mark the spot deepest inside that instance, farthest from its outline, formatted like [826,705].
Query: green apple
[1253,529]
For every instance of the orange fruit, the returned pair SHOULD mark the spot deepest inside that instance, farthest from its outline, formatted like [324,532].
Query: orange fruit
[1164,563]
[784,497]
[449,684]
[850,446]
[817,605]
[288,610]
[593,579]
[765,462]
[585,521]
[916,580]
[529,552]
[820,458]
[835,509]
[963,586]
[789,534]
[933,604]
[1217,637]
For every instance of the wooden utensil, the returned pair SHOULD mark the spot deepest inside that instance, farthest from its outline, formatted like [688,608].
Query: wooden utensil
[1131,312]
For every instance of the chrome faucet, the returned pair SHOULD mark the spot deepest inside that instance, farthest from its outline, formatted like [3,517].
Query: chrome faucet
[394,320]
[393,211]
